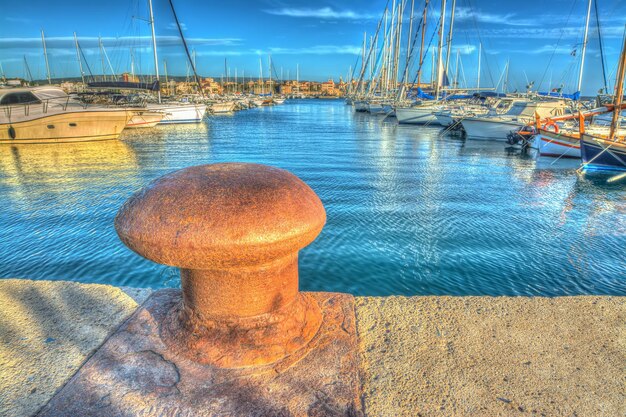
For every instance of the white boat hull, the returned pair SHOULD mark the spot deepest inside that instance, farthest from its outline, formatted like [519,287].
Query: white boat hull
[183,113]
[360,106]
[416,115]
[141,119]
[223,107]
[444,119]
[557,146]
[70,126]
[375,108]
[489,129]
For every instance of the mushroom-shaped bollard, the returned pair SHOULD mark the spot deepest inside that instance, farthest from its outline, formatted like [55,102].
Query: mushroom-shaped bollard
[234,230]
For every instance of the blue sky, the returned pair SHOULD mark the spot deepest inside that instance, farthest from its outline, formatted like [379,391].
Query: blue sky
[323,37]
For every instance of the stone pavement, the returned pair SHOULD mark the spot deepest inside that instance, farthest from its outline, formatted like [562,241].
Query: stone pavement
[429,356]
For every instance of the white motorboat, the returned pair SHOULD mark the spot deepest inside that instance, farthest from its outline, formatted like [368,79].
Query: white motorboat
[49,115]
[179,113]
[521,113]
[222,107]
[421,114]
[144,118]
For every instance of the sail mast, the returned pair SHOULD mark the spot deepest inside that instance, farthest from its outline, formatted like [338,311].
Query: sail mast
[442,22]
[419,68]
[480,50]
[45,55]
[619,92]
[154,49]
[582,57]
[80,63]
[449,46]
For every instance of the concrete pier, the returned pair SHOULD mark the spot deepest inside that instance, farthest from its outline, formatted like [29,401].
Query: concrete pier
[448,356]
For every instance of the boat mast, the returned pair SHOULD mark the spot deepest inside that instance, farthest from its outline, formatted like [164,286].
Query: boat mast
[270,64]
[398,41]
[480,51]
[450,37]
[442,22]
[409,50]
[582,56]
[619,92]
[506,78]
[101,58]
[154,49]
[419,68]
[30,76]
[80,63]
[45,55]
[606,85]
[167,83]
[261,76]
[132,63]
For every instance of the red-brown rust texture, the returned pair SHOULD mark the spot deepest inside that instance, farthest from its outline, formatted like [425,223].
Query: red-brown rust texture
[235,231]
[137,373]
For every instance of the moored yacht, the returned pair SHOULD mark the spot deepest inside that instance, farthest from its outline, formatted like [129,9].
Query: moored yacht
[179,113]
[521,113]
[49,115]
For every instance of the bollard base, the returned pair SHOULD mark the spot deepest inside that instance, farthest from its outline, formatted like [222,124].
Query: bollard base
[135,373]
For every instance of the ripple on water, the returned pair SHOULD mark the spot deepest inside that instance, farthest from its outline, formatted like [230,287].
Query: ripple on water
[409,211]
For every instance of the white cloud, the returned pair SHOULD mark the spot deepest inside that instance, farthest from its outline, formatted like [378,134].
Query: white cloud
[310,50]
[172,26]
[321,13]
[464,49]
[112,42]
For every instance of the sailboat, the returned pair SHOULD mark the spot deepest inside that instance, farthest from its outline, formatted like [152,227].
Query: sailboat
[607,152]
[174,112]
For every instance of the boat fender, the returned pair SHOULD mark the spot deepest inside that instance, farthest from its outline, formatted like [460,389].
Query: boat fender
[12,132]
[551,123]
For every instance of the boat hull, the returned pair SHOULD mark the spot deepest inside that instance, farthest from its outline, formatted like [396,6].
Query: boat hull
[225,107]
[186,113]
[553,145]
[142,119]
[80,126]
[360,106]
[416,115]
[444,118]
[601,154]
[487,129]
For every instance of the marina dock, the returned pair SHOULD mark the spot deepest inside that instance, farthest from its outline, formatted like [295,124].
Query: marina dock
[461,356]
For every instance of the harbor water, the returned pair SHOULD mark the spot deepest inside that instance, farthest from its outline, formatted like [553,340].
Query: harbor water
[410,211]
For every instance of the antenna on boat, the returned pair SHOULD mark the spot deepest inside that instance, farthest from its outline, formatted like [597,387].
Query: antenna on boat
[45,55]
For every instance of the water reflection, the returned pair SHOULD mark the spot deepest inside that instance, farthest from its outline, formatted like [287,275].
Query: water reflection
[410,210]
[31,171]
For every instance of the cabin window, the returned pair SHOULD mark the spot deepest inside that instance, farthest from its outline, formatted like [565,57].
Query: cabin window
[23,97]
[50,126]
[72,124]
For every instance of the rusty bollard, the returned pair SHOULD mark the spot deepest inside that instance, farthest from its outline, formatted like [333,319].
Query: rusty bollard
[234,230]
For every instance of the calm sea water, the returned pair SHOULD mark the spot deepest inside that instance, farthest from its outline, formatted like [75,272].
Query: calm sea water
[409,211]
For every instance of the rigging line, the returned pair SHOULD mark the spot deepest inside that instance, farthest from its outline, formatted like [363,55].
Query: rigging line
[374,41]
[85,59]
[606,85]
[409,58]
[545,71]
[180,31]
[427,49]
[469,2]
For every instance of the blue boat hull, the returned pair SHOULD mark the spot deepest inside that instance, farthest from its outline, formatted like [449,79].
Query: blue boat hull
[602,154]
